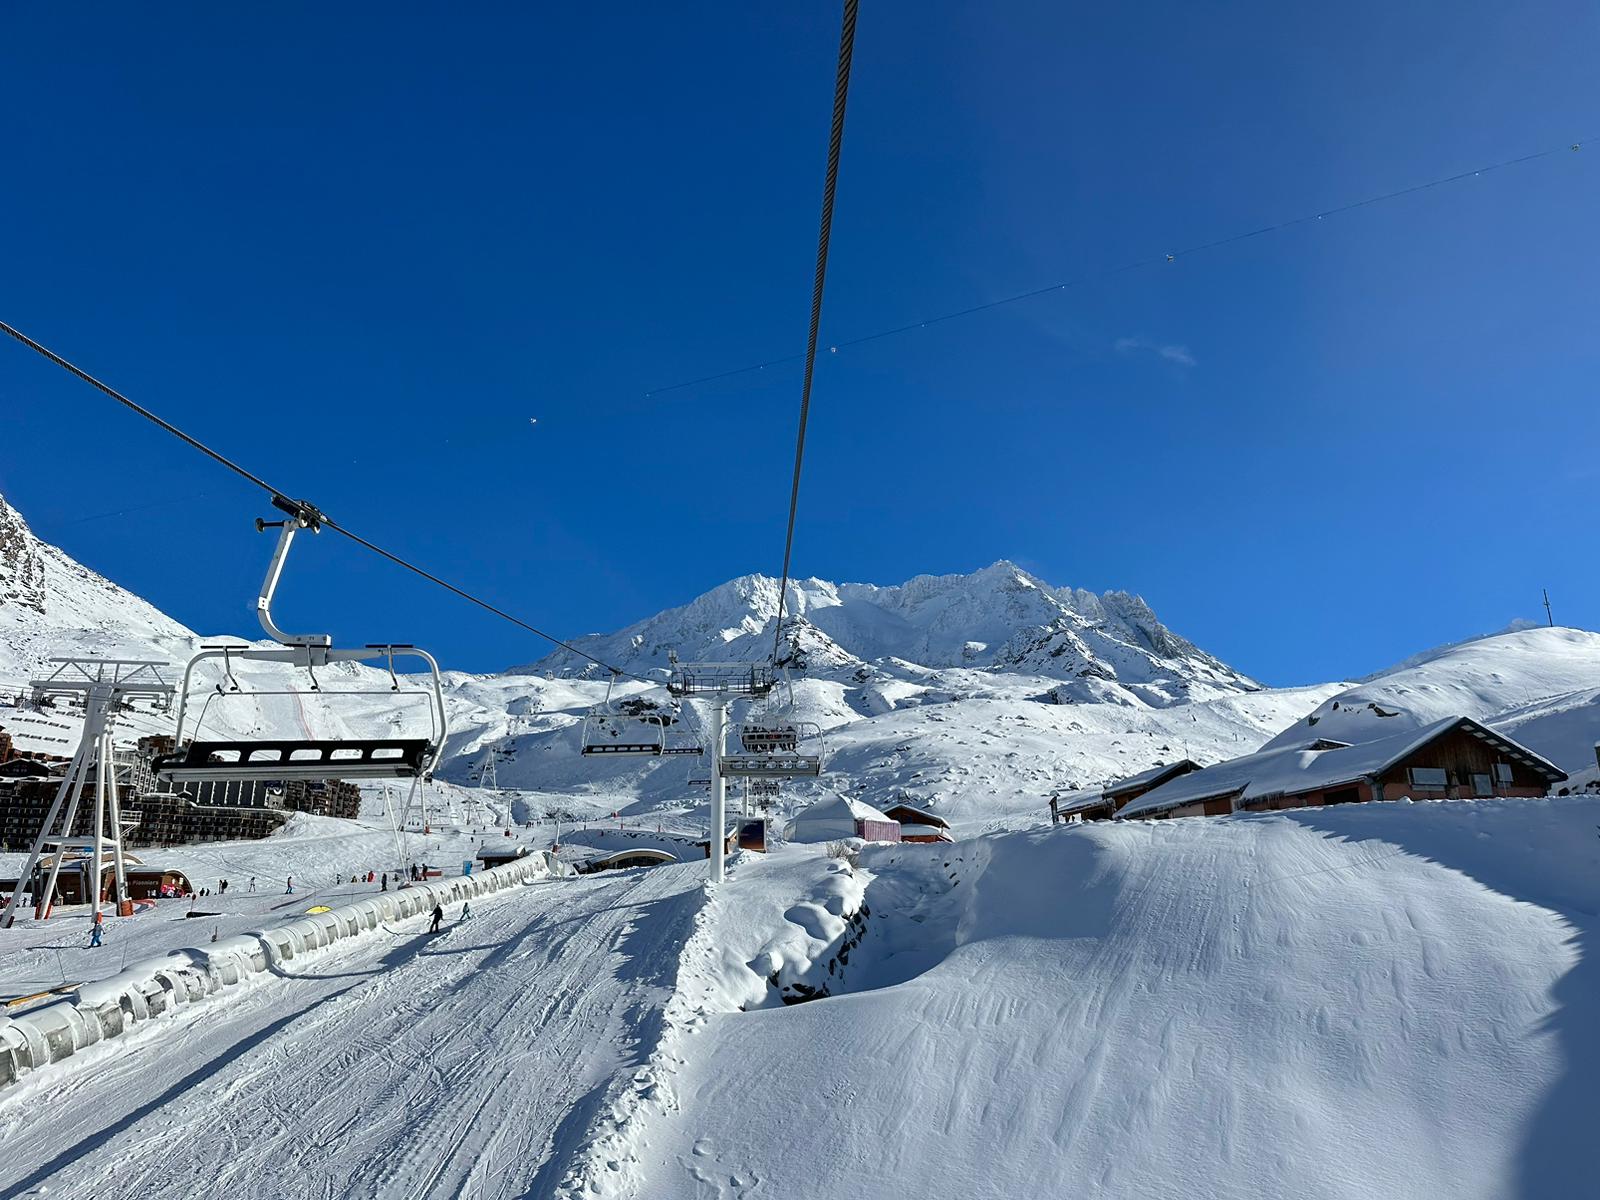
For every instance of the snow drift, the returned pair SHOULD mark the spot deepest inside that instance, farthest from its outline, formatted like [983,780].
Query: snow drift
[1385,1000]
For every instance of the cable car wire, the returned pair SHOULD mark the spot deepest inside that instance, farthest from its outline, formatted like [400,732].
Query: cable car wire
[1133,265]
[299,507]
[841,93]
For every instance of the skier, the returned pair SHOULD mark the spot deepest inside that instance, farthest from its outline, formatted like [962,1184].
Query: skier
[252,883]
[96,930]
[438,915]
[289,891]
[222,888]
[385,886]
[466,909]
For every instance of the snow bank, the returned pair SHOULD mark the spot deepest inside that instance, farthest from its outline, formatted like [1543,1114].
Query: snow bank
[1381,1000]
[110,1007]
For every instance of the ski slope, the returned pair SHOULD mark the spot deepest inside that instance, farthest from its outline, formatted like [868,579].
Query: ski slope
[401,1064]
[1388,1000]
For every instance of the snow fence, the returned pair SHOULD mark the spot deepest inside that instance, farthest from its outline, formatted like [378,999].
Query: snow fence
[111,1007]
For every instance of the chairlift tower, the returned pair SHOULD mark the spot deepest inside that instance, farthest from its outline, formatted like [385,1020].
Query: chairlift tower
[487,777]
[104,687]
[719,683]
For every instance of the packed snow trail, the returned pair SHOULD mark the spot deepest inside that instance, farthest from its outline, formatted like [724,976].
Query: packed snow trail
[401,1064]
[1376,1000]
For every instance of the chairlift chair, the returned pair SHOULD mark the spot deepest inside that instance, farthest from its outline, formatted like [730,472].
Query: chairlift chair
[771,745]
[606,731]
[270,759]
[610,733]
[769,739]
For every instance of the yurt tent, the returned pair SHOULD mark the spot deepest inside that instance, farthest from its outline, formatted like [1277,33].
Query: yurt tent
[840,817]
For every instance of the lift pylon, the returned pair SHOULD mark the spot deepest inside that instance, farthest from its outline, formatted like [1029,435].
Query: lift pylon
[104,687]
[720,683]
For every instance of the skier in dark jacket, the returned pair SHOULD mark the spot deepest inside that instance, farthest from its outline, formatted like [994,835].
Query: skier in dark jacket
[438,915]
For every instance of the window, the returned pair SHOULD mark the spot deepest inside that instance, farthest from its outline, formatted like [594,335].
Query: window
[1502,772]
[1482,785]
[1428,777]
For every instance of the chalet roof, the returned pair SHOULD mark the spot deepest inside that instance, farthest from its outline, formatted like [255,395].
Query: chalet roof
[1068,803]
[1148,779]
[837,807]
[1291,770]
[909,814]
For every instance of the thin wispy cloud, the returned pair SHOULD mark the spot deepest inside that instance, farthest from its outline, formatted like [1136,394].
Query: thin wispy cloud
[1170,351]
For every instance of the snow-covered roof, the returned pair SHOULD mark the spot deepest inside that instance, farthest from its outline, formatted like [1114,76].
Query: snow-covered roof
[841,808]
[1068,803]
[915,816]
[1150,778]
[1294,769]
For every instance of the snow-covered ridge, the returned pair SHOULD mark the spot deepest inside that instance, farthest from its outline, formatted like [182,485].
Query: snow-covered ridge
[51,605]
[1539,685]
[1000,618]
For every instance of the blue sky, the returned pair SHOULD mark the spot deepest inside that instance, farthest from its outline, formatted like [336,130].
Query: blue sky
[359,247]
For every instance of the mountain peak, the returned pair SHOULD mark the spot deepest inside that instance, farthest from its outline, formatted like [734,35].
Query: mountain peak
[1000,618]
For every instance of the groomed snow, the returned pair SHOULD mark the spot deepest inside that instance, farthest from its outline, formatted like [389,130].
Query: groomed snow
[399,1064]
[1382,1000]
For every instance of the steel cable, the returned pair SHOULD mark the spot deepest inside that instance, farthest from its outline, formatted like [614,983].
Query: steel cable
[841,92]
[281,496]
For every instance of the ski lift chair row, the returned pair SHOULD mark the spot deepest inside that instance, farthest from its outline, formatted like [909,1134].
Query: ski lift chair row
[308,758]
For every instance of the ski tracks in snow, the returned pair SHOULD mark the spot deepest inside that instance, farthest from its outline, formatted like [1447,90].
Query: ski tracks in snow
[463,1064]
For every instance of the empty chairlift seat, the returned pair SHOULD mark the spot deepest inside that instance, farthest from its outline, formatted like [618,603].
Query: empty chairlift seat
[353,758]
[608,733]
[270,759]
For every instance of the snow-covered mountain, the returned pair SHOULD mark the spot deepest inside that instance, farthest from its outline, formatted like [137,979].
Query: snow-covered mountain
[976,694]
[52,605]
[1099,647]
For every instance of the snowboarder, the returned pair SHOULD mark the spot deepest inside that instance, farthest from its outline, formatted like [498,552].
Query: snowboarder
[96,930]
[438,915]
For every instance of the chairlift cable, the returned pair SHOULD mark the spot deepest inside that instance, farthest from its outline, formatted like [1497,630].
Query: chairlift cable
[300,507]
[1167,256]
[841,92]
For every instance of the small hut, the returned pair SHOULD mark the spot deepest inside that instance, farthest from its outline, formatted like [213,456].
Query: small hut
[840,817]
[917,825]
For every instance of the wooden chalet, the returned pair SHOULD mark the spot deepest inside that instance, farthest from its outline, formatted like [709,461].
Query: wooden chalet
[1102,805]
[917,825]
[1457,758]
[1124,792]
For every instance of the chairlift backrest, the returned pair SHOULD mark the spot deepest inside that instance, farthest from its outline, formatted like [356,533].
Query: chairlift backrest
[610,733]
[774,751]
[308,758]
